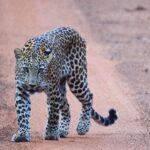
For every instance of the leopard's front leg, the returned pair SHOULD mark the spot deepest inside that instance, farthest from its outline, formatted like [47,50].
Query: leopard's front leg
[23,108]
[53,102]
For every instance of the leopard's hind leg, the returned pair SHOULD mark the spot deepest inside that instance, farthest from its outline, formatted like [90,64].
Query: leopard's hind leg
[79,87]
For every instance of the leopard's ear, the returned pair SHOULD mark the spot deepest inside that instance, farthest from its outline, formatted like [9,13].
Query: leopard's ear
[18,52]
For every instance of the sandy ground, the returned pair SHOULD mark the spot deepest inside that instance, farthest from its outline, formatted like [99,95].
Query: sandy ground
[118,42]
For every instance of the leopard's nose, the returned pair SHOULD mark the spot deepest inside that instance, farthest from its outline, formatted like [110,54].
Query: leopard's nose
[32,83]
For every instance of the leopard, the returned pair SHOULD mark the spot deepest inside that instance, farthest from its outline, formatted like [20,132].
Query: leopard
[48,63]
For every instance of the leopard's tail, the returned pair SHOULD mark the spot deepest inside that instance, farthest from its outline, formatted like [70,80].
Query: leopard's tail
[112,117]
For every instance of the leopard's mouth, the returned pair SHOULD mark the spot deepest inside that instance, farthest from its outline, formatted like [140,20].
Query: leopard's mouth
[32,89]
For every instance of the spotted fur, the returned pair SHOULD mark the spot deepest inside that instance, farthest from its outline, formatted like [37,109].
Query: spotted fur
[46,63]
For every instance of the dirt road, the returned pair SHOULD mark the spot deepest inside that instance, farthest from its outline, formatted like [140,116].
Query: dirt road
[108,30]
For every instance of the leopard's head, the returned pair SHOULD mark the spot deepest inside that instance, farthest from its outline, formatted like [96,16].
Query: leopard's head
[32,63]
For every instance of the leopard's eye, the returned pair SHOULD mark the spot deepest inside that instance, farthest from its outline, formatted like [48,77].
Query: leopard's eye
[41,69]
[25,69]
[47,51]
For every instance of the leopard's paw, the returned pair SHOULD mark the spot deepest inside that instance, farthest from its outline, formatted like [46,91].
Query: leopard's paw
[83,128]
[63,133]
[51,135]
[21,137]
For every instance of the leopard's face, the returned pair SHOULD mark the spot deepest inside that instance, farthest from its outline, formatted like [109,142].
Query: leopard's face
[32,66]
